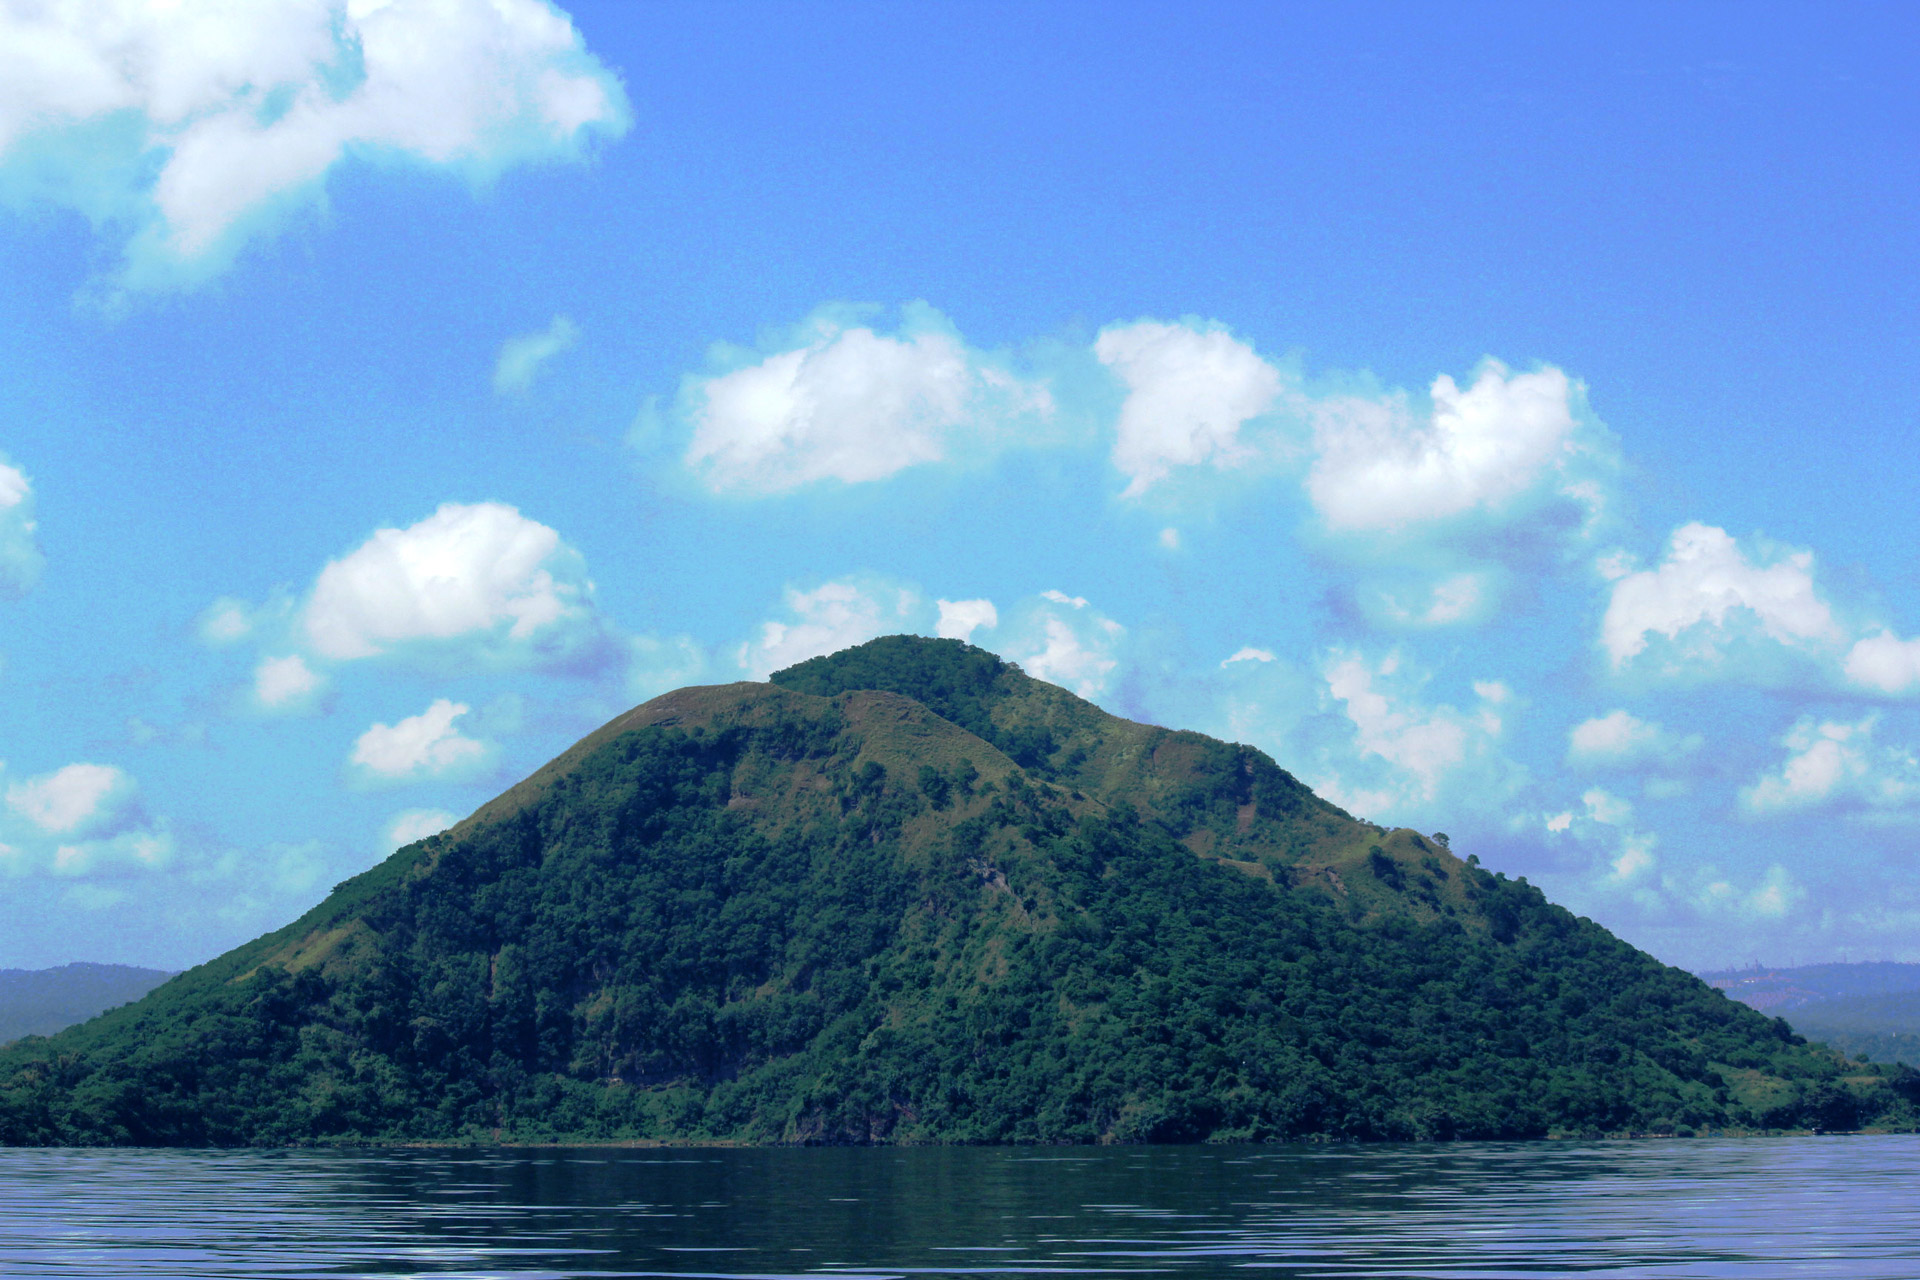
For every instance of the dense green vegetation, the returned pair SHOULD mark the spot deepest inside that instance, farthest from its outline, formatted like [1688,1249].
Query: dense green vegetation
[839,908]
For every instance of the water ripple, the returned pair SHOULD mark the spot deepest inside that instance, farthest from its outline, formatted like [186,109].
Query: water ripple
[1724,1209]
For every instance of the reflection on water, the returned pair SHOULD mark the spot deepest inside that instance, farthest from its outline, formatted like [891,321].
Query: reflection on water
[1722,1209]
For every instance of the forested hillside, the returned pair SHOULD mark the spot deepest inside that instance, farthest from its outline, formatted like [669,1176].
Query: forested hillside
[908,894]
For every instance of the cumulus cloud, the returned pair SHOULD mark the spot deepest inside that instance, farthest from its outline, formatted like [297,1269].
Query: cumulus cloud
[1621,740]
[226,621]
[833,616]
[1628,865]
[1423,743]
[843,402]
[410,825]
[477,581]
[74,800]
[82,820]
[1834,762]
[1885,663]
[286,683]
[522,357]
[419,747]
[1190,390]
[20,558]
[1247,653]
[1062,640]
[1505,439]
[1446,503]
[1707,598]
[1453,598]
[1399,754]
[1627,857]
[129,851]
[959,619]
[1775,895]
[190,126]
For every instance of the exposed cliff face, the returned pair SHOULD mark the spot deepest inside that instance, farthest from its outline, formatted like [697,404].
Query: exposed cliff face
[907,893]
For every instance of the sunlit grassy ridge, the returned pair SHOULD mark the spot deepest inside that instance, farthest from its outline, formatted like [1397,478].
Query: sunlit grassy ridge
[908,894]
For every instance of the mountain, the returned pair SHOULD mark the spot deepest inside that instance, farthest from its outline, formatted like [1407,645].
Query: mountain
[39,1002]
[907,893]
[1860,1009]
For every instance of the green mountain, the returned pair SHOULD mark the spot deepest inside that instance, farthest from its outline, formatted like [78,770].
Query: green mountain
[39,1002]
[907,893]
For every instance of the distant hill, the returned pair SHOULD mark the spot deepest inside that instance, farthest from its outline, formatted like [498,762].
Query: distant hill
[39,1002]
[1871,1009]
[907,893]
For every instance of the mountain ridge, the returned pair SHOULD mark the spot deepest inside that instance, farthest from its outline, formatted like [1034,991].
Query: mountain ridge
[43,1001]
[1869,1009]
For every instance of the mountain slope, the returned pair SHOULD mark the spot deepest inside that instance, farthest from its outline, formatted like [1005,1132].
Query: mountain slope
[907,893]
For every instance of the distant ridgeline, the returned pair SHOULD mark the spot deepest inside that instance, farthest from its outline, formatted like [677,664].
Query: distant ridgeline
[38,1002]
[1864,1009]
[907,893]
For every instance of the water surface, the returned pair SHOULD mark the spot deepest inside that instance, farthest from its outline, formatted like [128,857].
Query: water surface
[1720,1208]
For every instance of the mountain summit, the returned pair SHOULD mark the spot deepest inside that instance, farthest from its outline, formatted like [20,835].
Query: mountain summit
[907,893]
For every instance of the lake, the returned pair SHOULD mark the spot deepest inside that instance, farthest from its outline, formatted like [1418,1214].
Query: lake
[1718,1208]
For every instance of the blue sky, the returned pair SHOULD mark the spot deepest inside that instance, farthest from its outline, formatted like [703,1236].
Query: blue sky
[1506,419]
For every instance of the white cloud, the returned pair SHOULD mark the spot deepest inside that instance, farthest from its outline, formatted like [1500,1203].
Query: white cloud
[522,357]
[286,683]
[138,850]
[479,581]
[1635,859]
[82,820]
[226,621]
[1707,596]
[1627,858]
[1886,663]
[1834,762]
[1505,439]
[1189,392]
[20,558]
[1607,808]
[1422,744]
[846,403]
[418,747]
[1063,640]
[833,616]
[416,824]
[1622,740]
[1071,657]
[1455,598]
[189,125]
[1247,653]
[1773,898]
[959,619]
[73,800]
